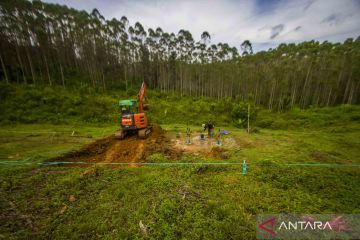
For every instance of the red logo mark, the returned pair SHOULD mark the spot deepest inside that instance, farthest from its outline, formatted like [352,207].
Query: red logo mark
[270,222]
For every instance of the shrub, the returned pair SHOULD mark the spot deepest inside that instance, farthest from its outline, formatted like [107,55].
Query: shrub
[280,124]
[264,123]
[239,114]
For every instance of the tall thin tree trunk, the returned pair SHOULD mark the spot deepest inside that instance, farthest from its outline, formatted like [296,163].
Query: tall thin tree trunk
[4,69]
[62,75]
[126,81]
[47,70]
[304,95]
[347,89]
[31,65]
[329,97]
[103,79]
[21,64]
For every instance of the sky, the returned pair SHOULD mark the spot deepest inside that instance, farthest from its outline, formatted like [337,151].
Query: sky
[266,23]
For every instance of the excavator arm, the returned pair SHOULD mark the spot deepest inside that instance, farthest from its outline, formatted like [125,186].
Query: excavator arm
[140,96]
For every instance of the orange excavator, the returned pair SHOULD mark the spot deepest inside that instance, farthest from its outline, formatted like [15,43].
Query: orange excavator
[133,116]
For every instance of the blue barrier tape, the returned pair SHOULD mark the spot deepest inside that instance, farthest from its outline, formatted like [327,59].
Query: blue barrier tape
[25,162]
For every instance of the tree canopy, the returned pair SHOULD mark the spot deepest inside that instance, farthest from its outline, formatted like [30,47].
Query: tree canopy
[43,43]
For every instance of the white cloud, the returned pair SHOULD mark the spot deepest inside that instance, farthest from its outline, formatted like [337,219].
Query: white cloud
[235,21]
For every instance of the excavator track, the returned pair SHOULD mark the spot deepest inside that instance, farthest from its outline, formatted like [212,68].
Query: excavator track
[120,134]
[143,133]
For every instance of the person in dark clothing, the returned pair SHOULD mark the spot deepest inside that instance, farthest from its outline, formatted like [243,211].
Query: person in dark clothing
[210,127]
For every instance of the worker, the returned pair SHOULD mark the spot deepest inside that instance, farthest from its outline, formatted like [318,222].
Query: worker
[210,127]
[188,136]
[218,138]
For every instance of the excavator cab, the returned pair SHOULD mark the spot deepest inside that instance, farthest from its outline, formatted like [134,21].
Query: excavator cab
[133,117]
[128,109]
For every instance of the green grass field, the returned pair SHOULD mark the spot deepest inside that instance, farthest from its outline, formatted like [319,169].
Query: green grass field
[173,202]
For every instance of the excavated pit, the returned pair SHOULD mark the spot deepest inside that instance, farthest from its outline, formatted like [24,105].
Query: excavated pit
[129,150]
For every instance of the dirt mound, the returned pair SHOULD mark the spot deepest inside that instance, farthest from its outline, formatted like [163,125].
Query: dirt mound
[129,150]
[218,153]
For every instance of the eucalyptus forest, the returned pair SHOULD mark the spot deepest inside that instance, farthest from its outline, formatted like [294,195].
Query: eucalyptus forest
[47,44]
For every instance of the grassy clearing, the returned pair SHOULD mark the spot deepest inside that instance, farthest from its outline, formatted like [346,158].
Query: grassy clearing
[183,202]
[43,141]
[209,202]
[314,145]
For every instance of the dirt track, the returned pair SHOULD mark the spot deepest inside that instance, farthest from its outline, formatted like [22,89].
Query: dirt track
[129,150]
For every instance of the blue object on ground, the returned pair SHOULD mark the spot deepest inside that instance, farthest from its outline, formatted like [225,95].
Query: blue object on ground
[224,132]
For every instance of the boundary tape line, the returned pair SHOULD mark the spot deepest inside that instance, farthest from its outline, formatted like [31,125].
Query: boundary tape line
[27,162]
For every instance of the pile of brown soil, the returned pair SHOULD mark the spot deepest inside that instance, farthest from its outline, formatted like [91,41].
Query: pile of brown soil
[129,150]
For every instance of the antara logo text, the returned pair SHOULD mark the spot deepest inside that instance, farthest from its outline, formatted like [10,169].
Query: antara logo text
[270,225]
[304,225]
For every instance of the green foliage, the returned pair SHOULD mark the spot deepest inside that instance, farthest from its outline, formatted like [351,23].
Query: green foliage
[342,116]
[32,104]
[171,108]
[240,113]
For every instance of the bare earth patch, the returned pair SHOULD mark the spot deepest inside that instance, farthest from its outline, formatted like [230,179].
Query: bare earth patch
[130,150]
[133,150]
